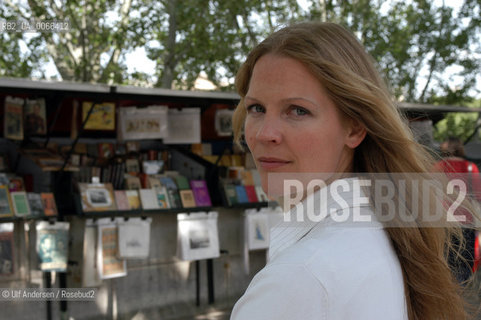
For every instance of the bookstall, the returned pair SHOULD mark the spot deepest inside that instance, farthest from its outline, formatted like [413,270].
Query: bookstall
[132,191]
[96,177]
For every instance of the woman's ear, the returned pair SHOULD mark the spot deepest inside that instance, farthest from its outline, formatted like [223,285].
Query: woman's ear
[355,134]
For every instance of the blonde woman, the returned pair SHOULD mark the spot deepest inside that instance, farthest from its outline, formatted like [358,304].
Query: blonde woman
[312,102]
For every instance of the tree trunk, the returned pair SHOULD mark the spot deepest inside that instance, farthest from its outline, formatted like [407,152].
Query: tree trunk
[167,76]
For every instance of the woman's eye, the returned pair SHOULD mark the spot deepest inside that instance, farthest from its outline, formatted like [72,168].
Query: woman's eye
[299,111]
[255,108]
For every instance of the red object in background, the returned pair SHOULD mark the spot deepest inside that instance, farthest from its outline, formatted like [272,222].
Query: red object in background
[477,254]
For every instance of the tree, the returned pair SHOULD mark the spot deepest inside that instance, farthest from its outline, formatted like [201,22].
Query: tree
[91,50]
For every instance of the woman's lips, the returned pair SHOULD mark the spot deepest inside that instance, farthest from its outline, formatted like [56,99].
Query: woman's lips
[272,163]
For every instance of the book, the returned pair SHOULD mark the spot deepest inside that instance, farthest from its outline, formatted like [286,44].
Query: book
[133,183]
[6,209]
[49,205]
[251,193]
[247,178]
[13,118]
[261,195]
[102,116]
[97,197]
[148,198]
[35,117]
[121,200]
[132,166]
[241,194]
[20,203]
[36,204]
[133,199]
[153,183]
[182,182]
[7,253]
[187,198]
[16,184]
[162,197]
[230,194]
[201,193]
[106,150]
[52,245]
[174,197]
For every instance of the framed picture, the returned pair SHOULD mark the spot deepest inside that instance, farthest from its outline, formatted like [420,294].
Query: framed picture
[109,265]
[36,204]
[49,205]
[134,238]
[20,203]
[35,117]
[198,237]
[97,197]
[7,250]
[6,209]
[257,230]
[223,122]
[102,116]
[52,245]
[184,126]
[13,118]
[143,123]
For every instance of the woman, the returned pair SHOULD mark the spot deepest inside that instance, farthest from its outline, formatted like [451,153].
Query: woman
[312,102]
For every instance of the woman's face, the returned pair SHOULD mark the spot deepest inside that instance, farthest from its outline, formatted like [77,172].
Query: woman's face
[291,124]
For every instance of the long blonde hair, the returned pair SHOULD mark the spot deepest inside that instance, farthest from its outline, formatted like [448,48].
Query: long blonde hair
[348,74]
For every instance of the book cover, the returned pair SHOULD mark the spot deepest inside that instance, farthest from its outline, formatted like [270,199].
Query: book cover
[162,197]
[97,197]
[36,204]
[133,199]
[52,245]
[251,193]
[241,194]
[153,183]
[174,197]
[13,118]
[187,198]
[148,198]
[109,265]
[133,183]
[16,184]
[261,195]
[132,166]
[106,150]
[20,203]
[6,209]
[230,194]
[102,116]
[49,205]
[7,250]
[182,182]
[247,178]
[35,117]
[201,193]
[121,200]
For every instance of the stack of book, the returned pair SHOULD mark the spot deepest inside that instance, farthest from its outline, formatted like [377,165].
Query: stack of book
[243,186]
[149,192]
[15,201]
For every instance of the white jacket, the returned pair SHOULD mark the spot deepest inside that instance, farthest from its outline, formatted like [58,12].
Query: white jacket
[327,270]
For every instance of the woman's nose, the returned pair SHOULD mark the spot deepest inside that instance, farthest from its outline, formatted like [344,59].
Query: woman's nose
[270,130]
